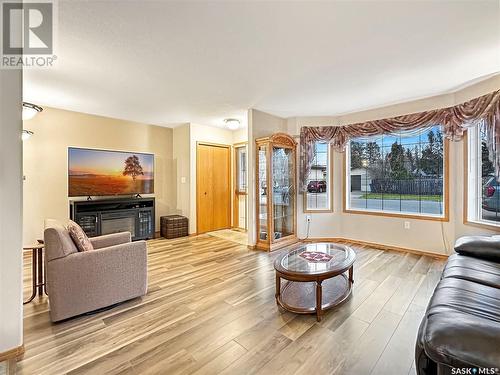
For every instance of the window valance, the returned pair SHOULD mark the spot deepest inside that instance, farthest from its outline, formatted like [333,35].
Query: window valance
[455,121]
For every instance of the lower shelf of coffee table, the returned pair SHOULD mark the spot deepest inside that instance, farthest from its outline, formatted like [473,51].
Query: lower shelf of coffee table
[300,297]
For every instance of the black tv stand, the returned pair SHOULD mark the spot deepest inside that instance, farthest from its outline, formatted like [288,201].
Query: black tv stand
[105,216]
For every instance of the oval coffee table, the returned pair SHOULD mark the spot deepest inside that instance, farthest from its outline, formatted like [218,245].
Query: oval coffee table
[316,277]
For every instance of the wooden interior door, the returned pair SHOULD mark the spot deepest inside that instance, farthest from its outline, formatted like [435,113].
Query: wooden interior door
[213,180]
[204,182]
[221,187]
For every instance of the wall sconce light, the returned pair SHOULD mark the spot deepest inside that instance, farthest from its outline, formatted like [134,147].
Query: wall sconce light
[30,110]
[26,134]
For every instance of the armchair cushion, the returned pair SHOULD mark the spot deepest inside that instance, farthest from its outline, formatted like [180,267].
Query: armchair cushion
[110,240]
[79,237]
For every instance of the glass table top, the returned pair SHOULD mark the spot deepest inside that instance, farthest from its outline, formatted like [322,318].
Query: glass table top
[316,258]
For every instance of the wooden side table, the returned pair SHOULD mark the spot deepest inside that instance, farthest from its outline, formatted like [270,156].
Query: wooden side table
[37,271]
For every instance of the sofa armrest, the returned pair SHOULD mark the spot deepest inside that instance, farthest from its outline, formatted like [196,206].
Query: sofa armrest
[483,247]
[110,240]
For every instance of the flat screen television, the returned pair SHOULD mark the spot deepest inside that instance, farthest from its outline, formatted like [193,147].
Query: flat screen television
[103,172]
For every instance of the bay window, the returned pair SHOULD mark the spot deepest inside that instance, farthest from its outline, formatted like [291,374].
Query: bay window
[402,173]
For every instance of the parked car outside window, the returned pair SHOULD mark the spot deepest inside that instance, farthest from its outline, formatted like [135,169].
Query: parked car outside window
[491,195]
[316,186]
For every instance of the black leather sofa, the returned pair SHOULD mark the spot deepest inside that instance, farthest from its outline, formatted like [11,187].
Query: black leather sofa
[460,331]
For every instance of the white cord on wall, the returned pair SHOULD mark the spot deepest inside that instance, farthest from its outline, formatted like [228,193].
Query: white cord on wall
[445,240]
[307,230]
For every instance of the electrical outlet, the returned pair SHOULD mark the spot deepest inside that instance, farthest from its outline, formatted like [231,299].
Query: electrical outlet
[308,218]
[407,225]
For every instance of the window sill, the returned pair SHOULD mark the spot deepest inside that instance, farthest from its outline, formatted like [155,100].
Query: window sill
[483,224]
[398,215]
[319,211]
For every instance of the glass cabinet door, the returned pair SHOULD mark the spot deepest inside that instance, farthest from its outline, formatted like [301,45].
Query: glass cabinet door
[283,194]
[262,194]
[275,191]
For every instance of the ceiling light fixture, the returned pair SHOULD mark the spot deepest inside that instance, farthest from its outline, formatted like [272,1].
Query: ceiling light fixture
[232,123]
[30,110]
[26,134]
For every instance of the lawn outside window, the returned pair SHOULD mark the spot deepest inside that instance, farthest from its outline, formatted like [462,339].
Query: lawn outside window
[398,174]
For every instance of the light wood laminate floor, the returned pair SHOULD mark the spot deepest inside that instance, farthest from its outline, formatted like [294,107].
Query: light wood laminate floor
[231,235]
[210,309]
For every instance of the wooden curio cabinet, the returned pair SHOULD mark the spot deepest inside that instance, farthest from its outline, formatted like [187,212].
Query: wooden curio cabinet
[276,214]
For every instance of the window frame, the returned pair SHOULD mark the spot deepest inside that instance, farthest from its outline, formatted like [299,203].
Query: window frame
[466,220]
[401,215]
[237,147]
[330,187]
[236,191]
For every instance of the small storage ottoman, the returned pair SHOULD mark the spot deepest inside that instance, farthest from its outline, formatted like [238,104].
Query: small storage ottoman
[173,226]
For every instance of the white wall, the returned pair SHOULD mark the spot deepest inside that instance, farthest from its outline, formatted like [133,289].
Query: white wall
[260,124]
[431,236]
[11,313]
[181,168]
[240,135]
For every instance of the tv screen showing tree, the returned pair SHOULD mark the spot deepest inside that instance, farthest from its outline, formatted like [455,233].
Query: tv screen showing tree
[103,172]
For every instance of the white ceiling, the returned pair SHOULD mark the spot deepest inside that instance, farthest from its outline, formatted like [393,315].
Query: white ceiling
[169,62]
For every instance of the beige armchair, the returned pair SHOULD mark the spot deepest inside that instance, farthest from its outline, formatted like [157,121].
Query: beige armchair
[80,282]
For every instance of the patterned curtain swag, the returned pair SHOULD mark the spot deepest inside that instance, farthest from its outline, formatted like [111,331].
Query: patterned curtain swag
[455,121]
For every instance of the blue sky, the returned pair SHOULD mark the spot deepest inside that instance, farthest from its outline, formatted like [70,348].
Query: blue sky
[321,153]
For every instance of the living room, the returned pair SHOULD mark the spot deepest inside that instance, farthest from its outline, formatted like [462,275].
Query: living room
[139,230]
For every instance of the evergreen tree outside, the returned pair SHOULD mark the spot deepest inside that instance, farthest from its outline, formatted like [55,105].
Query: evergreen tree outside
[373,153]
[357,154]
[486,164]
[396,159]
[431,160]
[410,162]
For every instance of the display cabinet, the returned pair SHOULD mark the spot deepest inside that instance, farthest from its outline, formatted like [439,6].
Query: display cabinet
[276,216]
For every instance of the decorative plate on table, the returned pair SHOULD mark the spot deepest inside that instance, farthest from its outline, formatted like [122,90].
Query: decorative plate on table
[316,256]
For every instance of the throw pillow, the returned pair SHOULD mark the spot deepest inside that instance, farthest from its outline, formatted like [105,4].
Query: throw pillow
[79,237]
